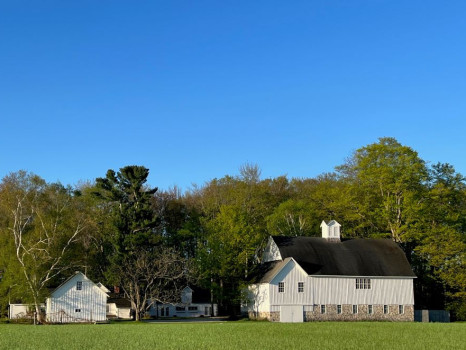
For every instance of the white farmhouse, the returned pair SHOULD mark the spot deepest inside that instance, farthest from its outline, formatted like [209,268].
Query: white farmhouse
[78,299]
[311,278]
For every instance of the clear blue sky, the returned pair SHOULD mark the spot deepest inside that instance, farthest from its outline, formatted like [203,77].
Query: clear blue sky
[194,89]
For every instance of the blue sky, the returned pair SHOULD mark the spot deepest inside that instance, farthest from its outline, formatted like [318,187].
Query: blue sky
[194,89]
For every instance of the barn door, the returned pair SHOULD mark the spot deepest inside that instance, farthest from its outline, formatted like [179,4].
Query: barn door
[291,313]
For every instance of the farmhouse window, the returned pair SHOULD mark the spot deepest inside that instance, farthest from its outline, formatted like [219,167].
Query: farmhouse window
[363,283]
[400,309]
[281,287]
[322,309]
[370,310]
[300,287]
[338,309]
[355,309]
[79,285]
[385,309]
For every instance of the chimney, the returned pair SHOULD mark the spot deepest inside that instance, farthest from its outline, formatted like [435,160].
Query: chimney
[331,231]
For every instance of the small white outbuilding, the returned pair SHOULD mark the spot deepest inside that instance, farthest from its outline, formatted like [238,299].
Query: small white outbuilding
[78,299]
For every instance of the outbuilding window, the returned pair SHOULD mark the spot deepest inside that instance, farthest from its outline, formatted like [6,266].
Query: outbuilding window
[322,309]
[79,285]
[180,308]
[338,309]
[281,287]
[363,283]
[400,309]
[192,308]
[370,310]
[355,309]
[300,287]
[385,309]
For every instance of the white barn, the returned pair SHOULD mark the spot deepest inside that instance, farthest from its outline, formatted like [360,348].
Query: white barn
[311,278]
[78,299]
[195,302]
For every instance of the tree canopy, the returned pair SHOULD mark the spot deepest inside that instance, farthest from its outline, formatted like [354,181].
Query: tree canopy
[124,232]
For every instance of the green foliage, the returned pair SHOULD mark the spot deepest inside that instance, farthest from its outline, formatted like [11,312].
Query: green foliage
[133,217]
[387,181]
[384,190]
[41,224]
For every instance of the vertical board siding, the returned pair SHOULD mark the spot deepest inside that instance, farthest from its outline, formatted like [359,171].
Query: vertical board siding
[62,305]
[336,290]
[339,290]
[291,274]
[259,297]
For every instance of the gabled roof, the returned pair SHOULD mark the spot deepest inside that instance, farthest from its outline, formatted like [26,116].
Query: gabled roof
[266,272]
[120,302]
[355,257]
[330,223]
[83,276]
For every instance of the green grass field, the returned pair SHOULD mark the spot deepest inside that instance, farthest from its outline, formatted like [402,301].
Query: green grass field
[236,335]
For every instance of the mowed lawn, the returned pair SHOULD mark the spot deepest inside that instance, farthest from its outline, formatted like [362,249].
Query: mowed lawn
[236,335]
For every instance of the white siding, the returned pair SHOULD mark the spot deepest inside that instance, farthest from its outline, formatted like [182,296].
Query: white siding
[290,275]
[271,252]
[90,301]
[18,311]
[259,297]
[122,312]
[342,290]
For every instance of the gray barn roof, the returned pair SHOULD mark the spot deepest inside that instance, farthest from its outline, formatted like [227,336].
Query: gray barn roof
[355,257]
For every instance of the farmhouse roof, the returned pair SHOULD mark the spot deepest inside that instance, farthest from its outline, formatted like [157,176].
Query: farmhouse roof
[355,257]
[120,302]
[73,276]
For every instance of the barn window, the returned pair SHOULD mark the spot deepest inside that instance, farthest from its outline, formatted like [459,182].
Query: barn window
[300,287]
[385,309]
[79,285]
[363,283]
[338,309]
[77,310]
[370,309]
[355,309]
[400,309]
[322,309]
[281,287]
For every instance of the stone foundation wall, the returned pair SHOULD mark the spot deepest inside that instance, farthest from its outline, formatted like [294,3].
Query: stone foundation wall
[346,314]
[362,314]
[273,316]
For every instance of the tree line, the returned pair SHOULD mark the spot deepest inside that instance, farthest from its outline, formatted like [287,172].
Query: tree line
[121,231]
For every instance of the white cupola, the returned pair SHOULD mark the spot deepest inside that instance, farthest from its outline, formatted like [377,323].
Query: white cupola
[331,230]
